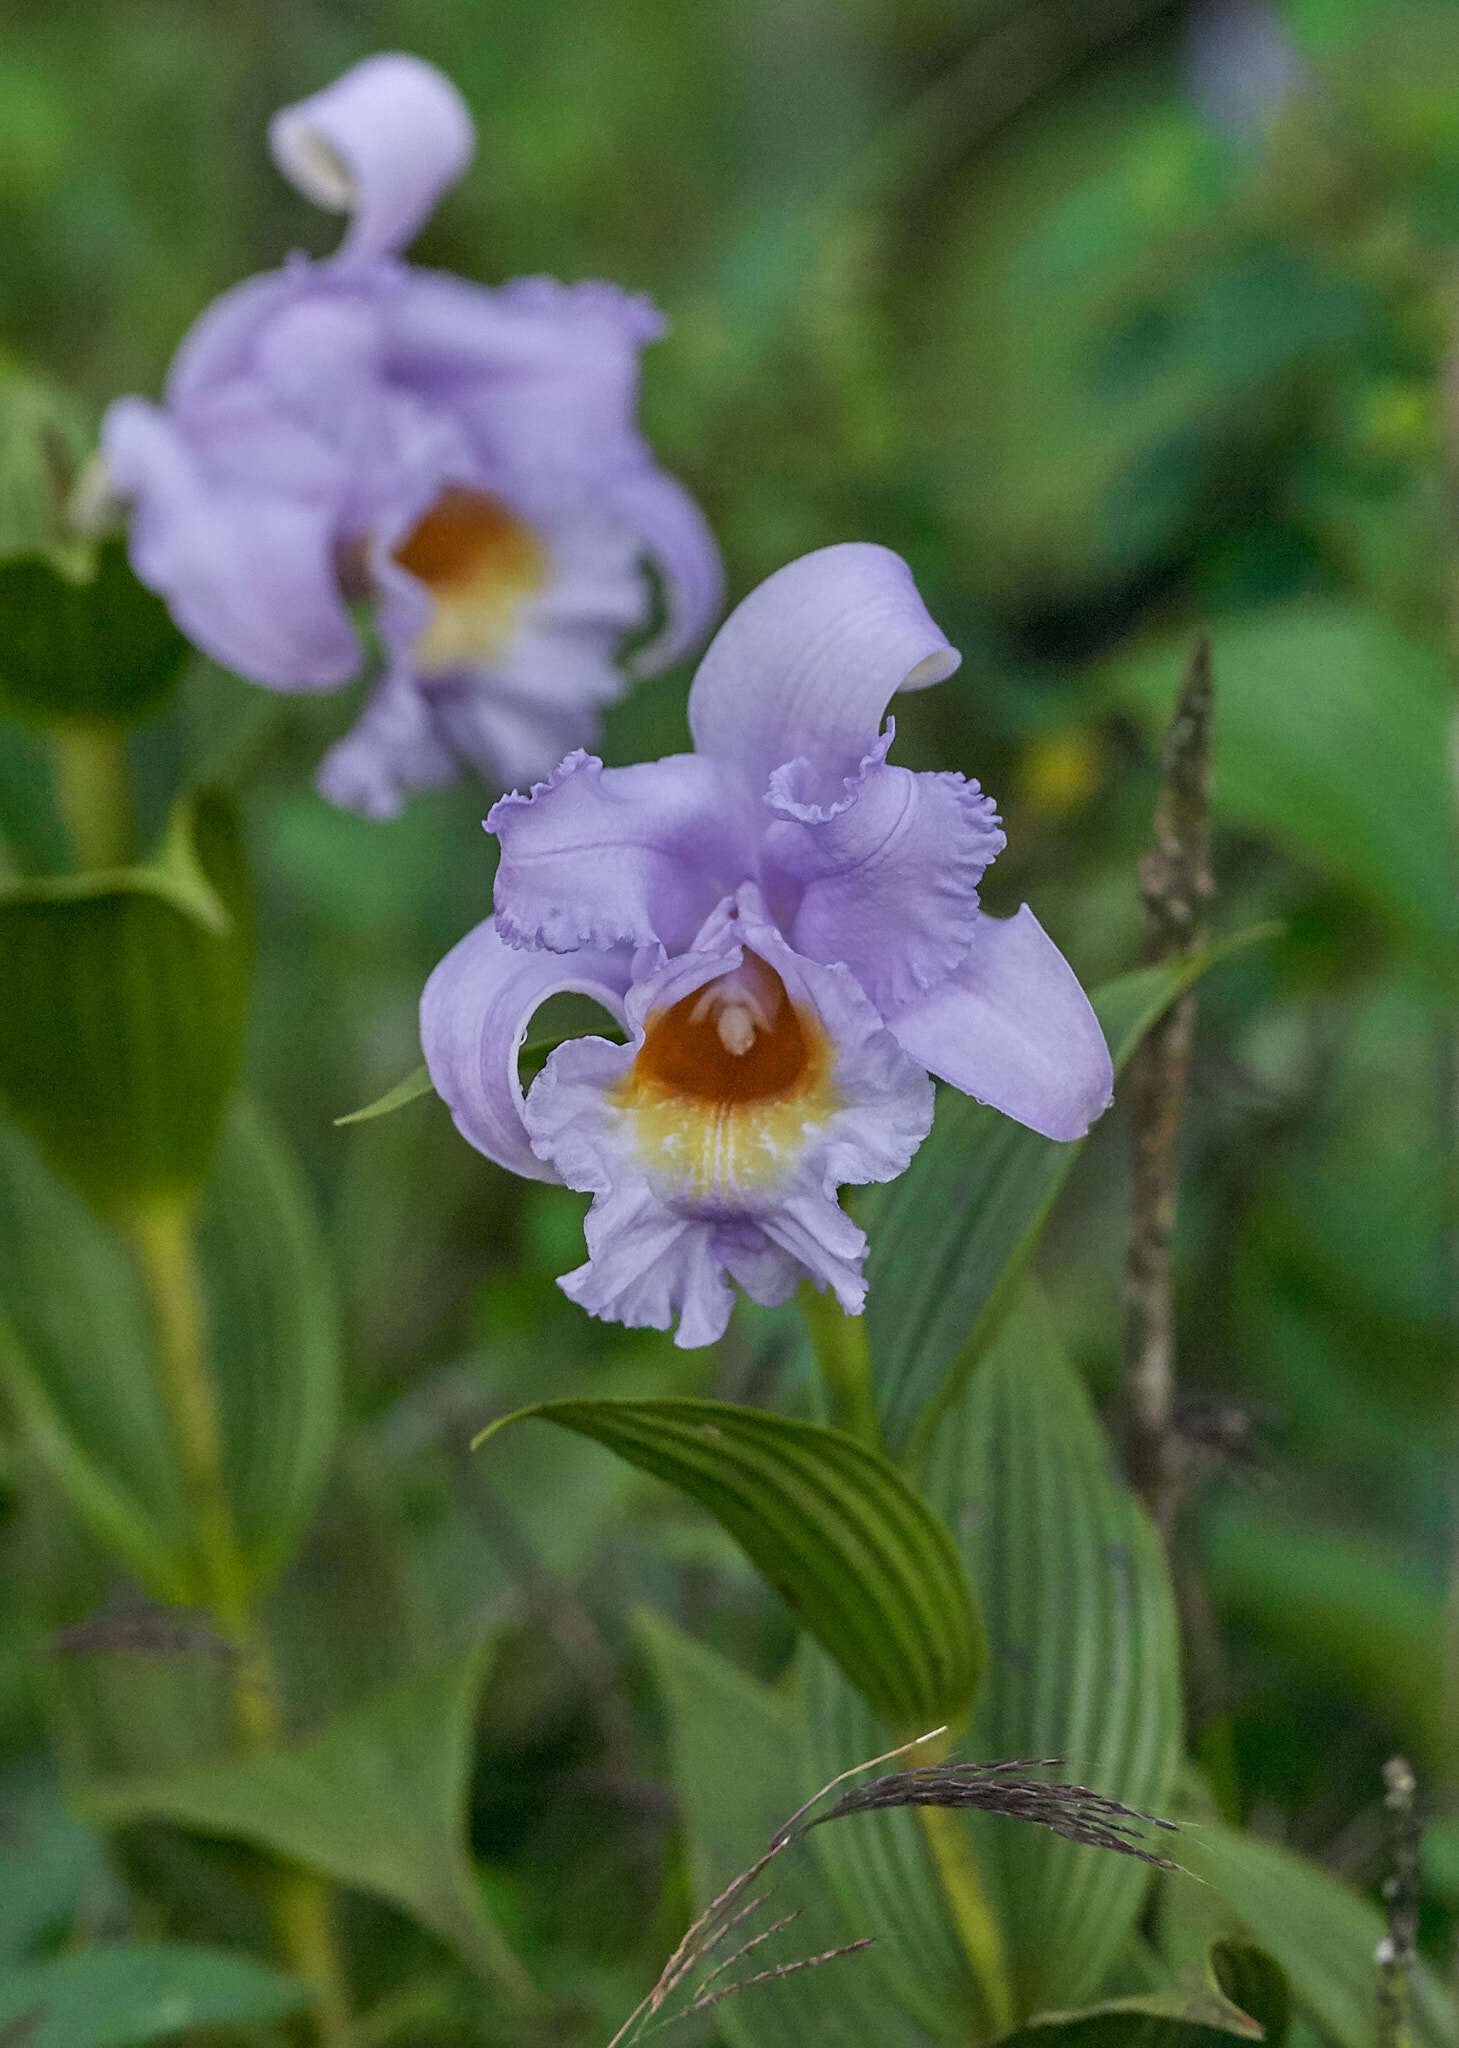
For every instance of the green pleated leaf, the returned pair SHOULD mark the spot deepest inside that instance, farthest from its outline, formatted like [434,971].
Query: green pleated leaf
[78,1357]
[1084,1660]
[94,645]
[78,1362]
[737,1769]
[952,1238]
[376,1800]
[1322,1934]
[122,1030]
[273,1339]
[120,1993]
[855,1553]
[1328,714]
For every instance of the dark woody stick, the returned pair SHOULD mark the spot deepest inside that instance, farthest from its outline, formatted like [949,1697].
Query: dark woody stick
[1175,886]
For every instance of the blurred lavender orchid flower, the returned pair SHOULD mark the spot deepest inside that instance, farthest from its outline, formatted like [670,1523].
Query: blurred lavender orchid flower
[788,927]
[467,458]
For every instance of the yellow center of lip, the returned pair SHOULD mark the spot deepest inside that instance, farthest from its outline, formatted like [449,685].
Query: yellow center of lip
[480,564]
[728,1085]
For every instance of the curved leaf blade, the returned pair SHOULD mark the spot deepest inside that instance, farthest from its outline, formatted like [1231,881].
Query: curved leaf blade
[122,1031]
[273,1338]
[1084,1647]
[735,1762]
[376,1799]
[952,1238]
[93,647]
[840,1534]
[415,1084]
[121,1993]
[1257,1983]
[78,1357]
[1125,2024]
[1323,1935]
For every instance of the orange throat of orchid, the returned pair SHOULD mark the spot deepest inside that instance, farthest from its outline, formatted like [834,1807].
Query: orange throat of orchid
[480,565]
[728,1085]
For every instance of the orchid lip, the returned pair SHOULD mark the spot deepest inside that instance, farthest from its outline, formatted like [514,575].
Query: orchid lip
[727,1085]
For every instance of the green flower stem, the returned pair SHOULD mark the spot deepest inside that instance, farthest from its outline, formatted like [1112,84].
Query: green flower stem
[845,1362]
[946,1835]
[94,793]
[301,1903]
[945,1832]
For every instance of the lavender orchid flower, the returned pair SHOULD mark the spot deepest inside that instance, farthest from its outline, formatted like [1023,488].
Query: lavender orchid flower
[467,458]
[788,927]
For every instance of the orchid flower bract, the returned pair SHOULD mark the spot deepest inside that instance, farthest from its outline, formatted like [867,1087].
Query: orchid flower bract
[788,927]
[466,459]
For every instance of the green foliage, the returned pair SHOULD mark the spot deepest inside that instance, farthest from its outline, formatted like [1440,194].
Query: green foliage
[95,646]
[63,1863]
[415,1084]
[1085,1660]
[274,1339]
[1255,1981]
[45,437]
[952,1238]
[1321,1934]
[126,1993]
[835,1529]
[986,281]
[1346,1605]
[737,1768]
[376,1799]
[78,1357]
[1131,2023]
[1332,740]
[122,1034]
[879,1867]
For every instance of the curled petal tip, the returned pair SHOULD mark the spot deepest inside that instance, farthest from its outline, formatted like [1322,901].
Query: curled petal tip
[382,143]
[807,664]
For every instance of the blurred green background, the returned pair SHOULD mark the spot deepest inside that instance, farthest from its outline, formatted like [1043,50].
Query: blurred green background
[1114,320]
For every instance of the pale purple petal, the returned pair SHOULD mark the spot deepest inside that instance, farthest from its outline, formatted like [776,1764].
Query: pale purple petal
[889,876]
[382,144]
[243,437]
[676,538]
[1013,1028]
[543,376]
[218,346]
[393,748]
[806,665]
[648,1266]
[474,1017]
[249,575]
[815,1231]
[606,857]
